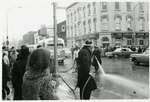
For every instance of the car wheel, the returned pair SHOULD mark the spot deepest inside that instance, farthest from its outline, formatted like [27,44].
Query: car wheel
[136,62]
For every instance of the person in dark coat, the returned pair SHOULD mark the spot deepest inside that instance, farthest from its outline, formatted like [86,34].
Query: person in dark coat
[97,54]
[18,71]
[85,82]
[5,79]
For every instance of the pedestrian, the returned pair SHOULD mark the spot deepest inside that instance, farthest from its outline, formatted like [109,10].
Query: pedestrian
[5,56]
[5,79]
[72,52]
[139,50]
[85,82]
[13,56]
[76,51]
[18,71]
[37,80]
[96,54]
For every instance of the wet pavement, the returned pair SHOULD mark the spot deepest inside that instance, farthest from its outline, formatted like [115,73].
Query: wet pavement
[123,80]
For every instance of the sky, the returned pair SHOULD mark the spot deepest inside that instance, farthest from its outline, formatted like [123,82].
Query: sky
[28,15]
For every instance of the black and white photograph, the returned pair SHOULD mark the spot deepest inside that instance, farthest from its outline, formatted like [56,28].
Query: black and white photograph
[74,50]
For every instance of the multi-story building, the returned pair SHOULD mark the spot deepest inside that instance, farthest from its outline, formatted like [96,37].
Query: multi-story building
[108,23]
[61,30]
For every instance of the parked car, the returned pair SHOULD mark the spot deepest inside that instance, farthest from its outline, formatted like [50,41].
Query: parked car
[67,52]
[120,52]
[140,58]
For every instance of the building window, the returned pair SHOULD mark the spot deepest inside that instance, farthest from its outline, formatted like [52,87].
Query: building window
[84,12]
[89,24]
[72,32]
[128,6]
[68,19]
[94,21]
[129,23]
[89,10]
[84,27]
[141,24]
[141,42]
[141,7]
[75,30]
[104,6]
[79,27]
[71,18]
[118,19]
[104,22]
[74,15]
[94,8]
[79,15]
[117,6]
[129,42]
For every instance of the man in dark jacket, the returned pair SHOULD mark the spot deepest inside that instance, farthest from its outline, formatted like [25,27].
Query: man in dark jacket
[18,71]
[85,82]
[97,54]
[5,79]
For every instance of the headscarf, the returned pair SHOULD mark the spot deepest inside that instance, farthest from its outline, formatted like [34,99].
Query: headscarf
[39,60]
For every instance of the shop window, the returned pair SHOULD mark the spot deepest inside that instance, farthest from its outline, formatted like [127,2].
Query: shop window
[105,39]
[129,42]
[141,42]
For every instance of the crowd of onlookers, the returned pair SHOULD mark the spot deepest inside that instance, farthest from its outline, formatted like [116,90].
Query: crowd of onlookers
[28,72]
[31,72]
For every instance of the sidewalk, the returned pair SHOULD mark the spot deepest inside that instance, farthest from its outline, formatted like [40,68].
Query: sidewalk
[64,92]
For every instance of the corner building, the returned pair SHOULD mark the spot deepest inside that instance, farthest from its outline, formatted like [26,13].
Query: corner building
[108,24]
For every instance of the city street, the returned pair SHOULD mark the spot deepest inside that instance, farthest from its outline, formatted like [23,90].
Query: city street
[126,81]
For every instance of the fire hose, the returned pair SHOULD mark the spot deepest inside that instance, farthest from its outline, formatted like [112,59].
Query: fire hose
[73,90]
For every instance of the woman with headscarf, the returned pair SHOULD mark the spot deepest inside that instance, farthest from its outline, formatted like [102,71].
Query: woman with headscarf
[37,80]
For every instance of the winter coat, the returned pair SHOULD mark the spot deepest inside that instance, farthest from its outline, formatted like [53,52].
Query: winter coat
[18,71]
[37,80]
[96,53]
[37,86]
[84,63]
[5,74]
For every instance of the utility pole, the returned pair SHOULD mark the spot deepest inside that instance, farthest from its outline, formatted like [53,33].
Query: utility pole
[55,36]
[134,25]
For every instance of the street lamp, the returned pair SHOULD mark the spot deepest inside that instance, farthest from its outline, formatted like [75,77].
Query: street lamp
[7,13]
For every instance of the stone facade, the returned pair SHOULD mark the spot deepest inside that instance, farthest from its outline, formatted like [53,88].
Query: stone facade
[108,23]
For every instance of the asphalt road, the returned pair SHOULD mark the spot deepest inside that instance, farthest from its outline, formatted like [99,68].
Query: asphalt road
[123,79]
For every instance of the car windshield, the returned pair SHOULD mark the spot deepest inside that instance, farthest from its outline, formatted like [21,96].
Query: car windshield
[123,49]
[118,50]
